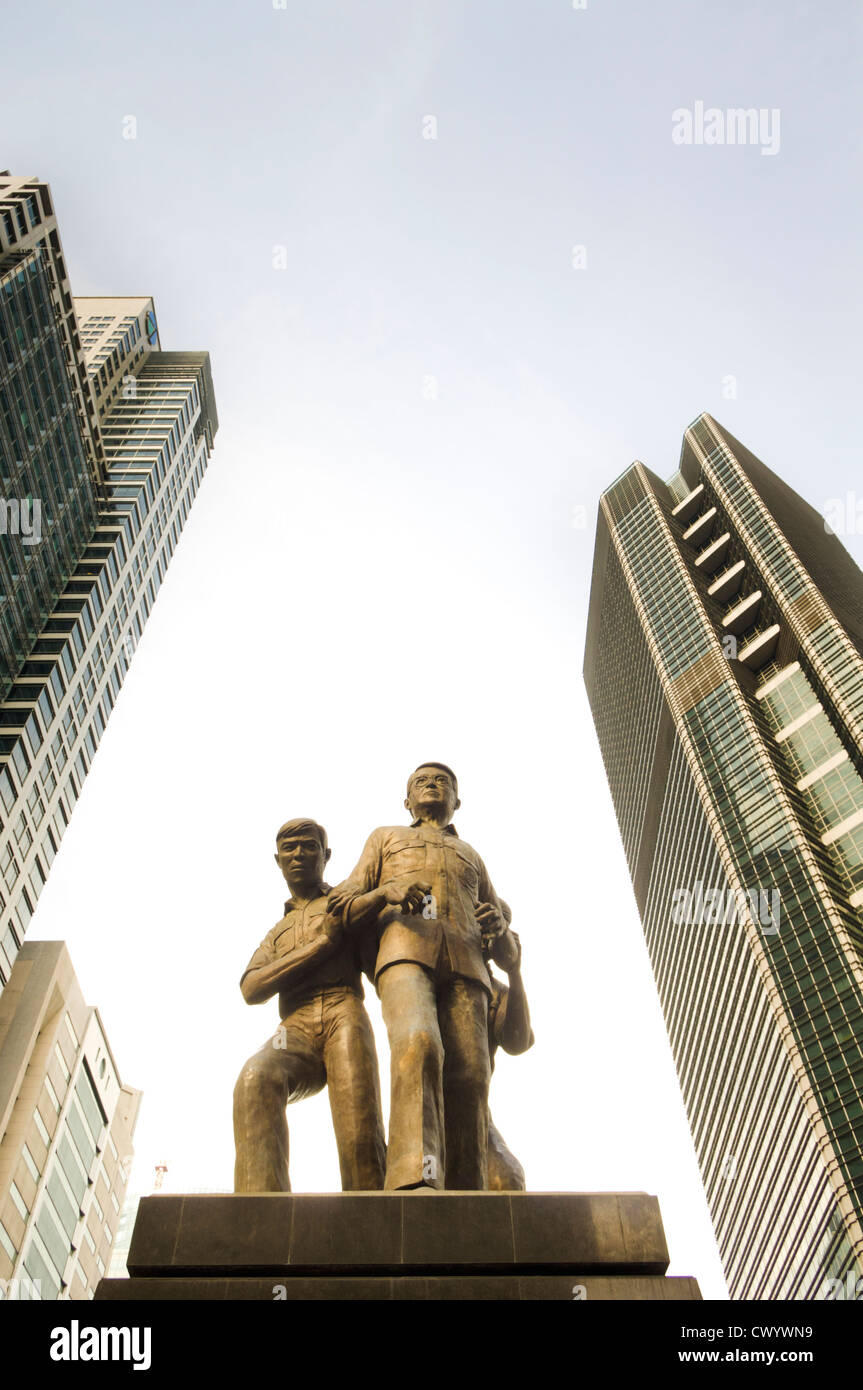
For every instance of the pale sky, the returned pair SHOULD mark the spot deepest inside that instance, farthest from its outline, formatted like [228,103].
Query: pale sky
[423,389]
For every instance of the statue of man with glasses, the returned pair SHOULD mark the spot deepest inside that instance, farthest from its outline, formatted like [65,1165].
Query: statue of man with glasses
[433,984]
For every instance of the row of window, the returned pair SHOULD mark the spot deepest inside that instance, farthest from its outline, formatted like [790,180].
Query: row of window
[19,215]
[20,842]
[60,1209]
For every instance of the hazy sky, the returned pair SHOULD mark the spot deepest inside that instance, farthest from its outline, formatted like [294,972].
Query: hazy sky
[423,388]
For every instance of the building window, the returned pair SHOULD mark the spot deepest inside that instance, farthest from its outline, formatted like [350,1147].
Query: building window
[10,945]
[34,736]
[22,835]
[37,879]
[7,1243]
[20,1205]
[30,1161]
[19,758]
[45,708]
[23,913]
[35,805]
[8,867]
[64,1066]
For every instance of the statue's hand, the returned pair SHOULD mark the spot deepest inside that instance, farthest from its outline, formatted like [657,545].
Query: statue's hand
[491,921]
[333,926]
[409,898]
[338,900]
[505,951]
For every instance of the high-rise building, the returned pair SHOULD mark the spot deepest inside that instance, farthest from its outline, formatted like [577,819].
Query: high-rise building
[51,459]
[66,1128]
[724,668]
[137,459]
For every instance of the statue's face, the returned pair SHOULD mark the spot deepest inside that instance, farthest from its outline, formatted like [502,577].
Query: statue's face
[301,859]
[431,789]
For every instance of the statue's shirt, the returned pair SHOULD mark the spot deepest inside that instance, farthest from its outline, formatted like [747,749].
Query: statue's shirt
[319,964]
[446,932]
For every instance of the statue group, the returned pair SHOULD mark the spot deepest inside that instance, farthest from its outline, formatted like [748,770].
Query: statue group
[419,916]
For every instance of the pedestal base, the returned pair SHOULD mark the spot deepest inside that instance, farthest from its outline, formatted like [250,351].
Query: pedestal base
[395,1245]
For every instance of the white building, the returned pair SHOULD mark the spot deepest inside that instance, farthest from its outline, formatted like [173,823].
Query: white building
[66,1127]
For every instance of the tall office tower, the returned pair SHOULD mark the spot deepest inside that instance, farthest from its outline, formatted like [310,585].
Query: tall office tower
[66,1129]
[724,668]
[51,458]
[154,423]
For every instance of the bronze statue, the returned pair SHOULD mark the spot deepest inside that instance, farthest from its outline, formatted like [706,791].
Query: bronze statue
[509,1028]
[310,959]
[433,984]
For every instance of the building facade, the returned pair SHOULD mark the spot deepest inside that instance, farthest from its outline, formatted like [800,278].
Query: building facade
[123,1237]
[153,423]
[51,457]
[66,1128]
[724,668]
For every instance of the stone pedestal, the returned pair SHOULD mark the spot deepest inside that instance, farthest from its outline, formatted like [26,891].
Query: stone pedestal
[399,1245]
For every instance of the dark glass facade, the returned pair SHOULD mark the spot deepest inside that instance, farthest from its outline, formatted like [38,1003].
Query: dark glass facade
[49,476]
[113,436]
[725,693]
[157,445]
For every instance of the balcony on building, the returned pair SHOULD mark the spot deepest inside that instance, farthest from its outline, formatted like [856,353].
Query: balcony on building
[743,614]
[686,509]
[844,828]
[714,555]
[702,529]
[728,583]
[761,649]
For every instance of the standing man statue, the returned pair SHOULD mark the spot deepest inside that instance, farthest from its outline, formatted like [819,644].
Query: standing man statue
[433,985]
[324,1039]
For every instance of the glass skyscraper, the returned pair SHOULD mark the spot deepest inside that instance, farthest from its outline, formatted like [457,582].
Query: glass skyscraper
[116,473]
[724,668]
[51,458]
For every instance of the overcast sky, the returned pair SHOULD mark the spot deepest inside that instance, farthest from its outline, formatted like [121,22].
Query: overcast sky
[455,275]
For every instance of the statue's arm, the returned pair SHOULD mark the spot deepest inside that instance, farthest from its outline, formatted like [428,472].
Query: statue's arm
[267,973]
[490,914]
[360,898]
[512,1030]
[360,887]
